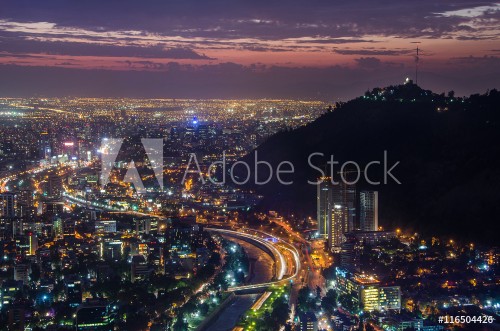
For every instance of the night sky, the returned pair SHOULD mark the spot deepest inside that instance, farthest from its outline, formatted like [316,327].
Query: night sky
[236,49]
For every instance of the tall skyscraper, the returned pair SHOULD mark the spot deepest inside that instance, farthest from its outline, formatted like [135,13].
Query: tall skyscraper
[55,185]
[345,195]
[324,207]
[33,243]
[25,203]
[368,210]
[337,226]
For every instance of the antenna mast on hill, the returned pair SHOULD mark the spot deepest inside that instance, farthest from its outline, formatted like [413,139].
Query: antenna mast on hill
[416,62]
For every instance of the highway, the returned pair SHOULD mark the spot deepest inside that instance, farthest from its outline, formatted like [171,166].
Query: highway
[281,263]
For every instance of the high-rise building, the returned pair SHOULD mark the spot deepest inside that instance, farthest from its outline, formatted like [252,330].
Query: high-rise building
[366,292]
[21,273]
[57,227]
[105,226]
[345,195]
[73,292]
[55,185]
[338,226]
[33,243]
[24,203]
[111,249]
[368,207]
[324,206]
[7,205]
[139,269]
[350,254]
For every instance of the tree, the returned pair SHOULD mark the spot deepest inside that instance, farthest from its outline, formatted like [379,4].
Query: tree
[304,300]
[280,311]
[180,325]
[329,301]
[347,302]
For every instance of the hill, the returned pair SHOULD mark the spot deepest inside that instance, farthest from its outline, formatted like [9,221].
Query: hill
[448,150]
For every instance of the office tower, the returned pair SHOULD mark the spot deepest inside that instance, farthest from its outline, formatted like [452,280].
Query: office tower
[55,185]
[175,134]
[44,143]
[21,273]
[57,227]
[350,254]
[73,291]
[368,210]
[111,249]
[24,205]
[324,206]
[338,226]
[33,243]
[9,290]
[7,205]
[53,207]
[142,226]
[105,226]
[345,195]
[69,226]
[139,269]
[390,297]
[203,132]
[366,291]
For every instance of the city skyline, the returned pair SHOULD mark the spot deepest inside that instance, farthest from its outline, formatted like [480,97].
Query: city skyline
[233,50]
[227,165]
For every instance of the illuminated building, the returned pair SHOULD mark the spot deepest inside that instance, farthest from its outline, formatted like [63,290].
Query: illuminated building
[105,226]
[337,226]
[24,203]
[55,185]
[143,225]
[139,269]
[390,297]
[111,249]
[371,237]
[95,318]
[73,291]
[9,291]
[7,203]
[366,292]
[368,208]
[57,227]
[33,243]
[21,273]
[53,207]
[345,195]
[324,207]
[350,254]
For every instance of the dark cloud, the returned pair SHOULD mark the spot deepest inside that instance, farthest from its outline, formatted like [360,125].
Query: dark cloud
[368,62]
[494,61]
[183,30]
[13,43]
[184,53]
[392,52]
[260,19]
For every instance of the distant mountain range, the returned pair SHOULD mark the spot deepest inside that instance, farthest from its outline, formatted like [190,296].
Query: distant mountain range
[448,149]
